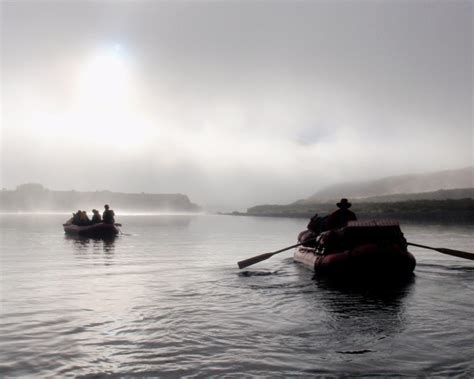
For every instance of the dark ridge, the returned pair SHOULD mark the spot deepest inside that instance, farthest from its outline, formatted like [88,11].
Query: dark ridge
[34,197]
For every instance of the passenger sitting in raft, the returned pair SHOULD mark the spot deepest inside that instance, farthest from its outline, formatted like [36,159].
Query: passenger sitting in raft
[340,217]
[84,219]
[314,227]
[79,218]
[108,217]
[71,220]
[96,218]
[76,217]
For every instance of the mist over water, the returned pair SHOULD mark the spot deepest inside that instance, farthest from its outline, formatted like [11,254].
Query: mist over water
[228,101]
[166,299]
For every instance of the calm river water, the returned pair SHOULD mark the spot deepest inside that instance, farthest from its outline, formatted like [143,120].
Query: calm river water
[167,300]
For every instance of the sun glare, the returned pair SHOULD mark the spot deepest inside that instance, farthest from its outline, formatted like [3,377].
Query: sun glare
[104,80]
[105,97]
[103,109]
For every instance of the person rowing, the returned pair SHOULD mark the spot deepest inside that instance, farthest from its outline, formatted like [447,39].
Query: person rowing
[341,216]
[335,220]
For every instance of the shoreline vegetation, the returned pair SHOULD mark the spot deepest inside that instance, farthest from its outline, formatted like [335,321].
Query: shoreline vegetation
[33,197]
[458,210]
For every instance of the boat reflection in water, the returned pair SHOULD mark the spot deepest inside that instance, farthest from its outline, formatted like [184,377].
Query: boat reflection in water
[82,244]
[363,314]
[386,292]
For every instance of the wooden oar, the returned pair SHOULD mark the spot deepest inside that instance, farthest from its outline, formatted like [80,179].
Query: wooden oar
[262,257]
[455,253]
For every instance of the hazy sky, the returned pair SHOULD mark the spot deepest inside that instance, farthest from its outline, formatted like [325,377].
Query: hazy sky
[233,103]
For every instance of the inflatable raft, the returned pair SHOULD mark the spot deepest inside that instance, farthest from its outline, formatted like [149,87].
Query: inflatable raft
[361,249]
[95,230]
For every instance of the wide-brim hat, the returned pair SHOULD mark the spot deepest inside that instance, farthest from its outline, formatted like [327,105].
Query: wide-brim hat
[344,204]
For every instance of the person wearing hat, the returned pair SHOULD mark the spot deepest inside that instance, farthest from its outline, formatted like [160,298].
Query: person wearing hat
[96,216]
[342,216]
[108,216]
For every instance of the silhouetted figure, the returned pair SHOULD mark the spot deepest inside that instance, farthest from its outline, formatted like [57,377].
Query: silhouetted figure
[96,218]
[308,236]
[84,219]
[108,217]
[340,217]
[76,217]
[71,220]
[314,227]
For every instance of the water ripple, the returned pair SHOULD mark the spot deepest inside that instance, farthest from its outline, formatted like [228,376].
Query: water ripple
[168,301]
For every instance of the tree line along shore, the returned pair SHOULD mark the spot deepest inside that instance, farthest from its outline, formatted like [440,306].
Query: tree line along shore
[443,211]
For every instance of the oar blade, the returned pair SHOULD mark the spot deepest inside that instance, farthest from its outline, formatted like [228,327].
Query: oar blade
[262,257]
[253,260]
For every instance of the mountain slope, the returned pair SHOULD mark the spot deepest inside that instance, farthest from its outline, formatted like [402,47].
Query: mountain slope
[406,184]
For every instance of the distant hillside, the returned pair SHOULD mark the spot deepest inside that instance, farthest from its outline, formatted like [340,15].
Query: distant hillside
[439,206]
[452,194]
[405,184]
[449,211]
[34,197]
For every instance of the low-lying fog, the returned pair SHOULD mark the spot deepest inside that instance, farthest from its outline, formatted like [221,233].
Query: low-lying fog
[234,103]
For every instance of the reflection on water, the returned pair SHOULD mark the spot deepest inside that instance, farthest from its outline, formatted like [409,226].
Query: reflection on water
[92,244]
[362,314]
[167,300]
[166,221]
[256,273]
[385,291]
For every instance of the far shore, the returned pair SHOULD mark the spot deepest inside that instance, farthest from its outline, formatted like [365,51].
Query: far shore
[466,218]
[460,211]
[125,213]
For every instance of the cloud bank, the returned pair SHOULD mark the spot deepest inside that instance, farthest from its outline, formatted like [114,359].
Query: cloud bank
[233,103]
